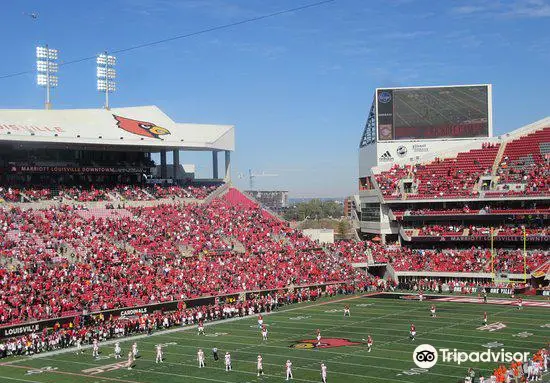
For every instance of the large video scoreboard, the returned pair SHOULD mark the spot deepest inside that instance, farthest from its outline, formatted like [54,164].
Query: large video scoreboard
[434,112]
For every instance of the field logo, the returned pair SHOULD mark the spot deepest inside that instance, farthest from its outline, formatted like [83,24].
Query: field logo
[384,97]
[300,317]
[325,343]
[425,356]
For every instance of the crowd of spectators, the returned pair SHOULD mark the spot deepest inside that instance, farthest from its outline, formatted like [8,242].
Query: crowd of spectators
[103,193]
[475,259]
[466,210]
[196,192]
[79,194]
[10,194]
[525,161]
[474,230]
[60,263]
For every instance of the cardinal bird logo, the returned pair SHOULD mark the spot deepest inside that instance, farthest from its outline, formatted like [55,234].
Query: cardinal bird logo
[142,128]
[325,343]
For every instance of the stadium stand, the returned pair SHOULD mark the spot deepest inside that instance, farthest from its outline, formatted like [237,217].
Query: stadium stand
[523,169]
[60,262]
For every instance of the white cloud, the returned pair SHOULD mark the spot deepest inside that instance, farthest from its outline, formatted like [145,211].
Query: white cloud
[505,9]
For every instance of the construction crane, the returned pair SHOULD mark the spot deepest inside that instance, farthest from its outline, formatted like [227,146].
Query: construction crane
[253,175]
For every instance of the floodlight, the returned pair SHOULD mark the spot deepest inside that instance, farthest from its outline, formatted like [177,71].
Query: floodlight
[45,68]
[106,75]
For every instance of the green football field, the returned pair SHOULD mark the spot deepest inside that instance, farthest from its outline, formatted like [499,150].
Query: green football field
[387,320]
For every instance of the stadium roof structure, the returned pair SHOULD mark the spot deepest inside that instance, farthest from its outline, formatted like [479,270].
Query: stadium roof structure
[143,127]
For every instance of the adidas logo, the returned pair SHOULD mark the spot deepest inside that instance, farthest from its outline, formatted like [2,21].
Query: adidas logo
[386,156]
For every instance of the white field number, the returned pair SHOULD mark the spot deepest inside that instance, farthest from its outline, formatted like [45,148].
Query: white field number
[413,371]
[107,368]
[41,370]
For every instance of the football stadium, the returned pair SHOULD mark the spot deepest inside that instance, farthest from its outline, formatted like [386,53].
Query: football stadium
[121,263]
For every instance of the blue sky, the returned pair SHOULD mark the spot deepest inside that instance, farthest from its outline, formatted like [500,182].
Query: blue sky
[298,86]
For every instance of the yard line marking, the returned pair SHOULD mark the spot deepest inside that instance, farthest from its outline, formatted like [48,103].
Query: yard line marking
[73,373]
[20,380]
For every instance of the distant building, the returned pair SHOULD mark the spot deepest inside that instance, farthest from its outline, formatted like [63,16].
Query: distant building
[276,200]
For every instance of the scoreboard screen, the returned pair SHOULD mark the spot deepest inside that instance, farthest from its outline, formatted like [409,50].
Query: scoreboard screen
[433,112]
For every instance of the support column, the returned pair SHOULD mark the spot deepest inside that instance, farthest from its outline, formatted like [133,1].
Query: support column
[176,163]
[227,166]
[215,164]
[163,169]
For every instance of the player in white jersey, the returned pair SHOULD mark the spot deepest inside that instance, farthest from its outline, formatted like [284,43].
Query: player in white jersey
[545,359]
[78,345]
[260,365]
[227,361]
[289,370]
[537,371]
[346,311]
[135,351]
[318,337]
[130,360]
[260,321]
[323,373]
[264,333]
[200,357]
[421,296]
[159,354]
[117,350]
[95,349]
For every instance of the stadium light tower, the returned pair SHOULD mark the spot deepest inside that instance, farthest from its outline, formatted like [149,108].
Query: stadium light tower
[106,75]
[46,68]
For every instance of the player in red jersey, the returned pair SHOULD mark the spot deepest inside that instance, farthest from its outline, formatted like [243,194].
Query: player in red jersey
[369,342]
[485,318]
[200,327]
[432,311]
[520,304]
[413,332]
